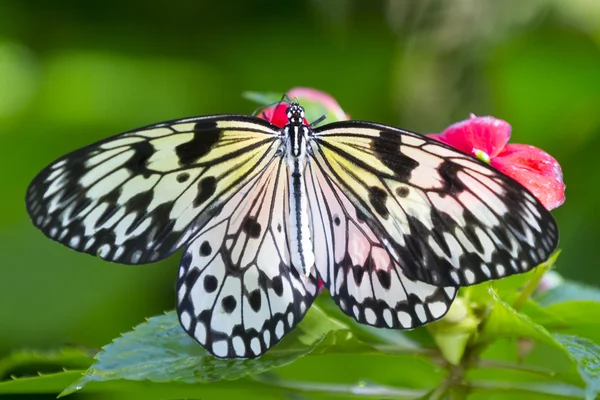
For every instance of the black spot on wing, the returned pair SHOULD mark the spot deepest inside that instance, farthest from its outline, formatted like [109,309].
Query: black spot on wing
[448,170]
[206,188]
[205,249]
[388,150]
[210,283]
[206,135]
[384,278]
[277,284]
[402,191]
[191,277]
[255,300]
[360,217]
[378,198]
[251,227]
[358,272]
[137,164]
[141,201]
[229,304]
[182,177]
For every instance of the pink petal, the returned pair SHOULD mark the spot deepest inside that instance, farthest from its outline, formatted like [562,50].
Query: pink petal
[535,169]
[487,134]
[316,96]
[276,115]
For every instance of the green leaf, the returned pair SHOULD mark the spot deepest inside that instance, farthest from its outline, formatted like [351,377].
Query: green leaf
[263,98]
[361,389]
[568,291]
[510,360]
[160,351]
[579,317]
[537,313]
[34,361]
[366,333]
[50,383]
[525,391]
[503,321]
[130,390]
[586,355]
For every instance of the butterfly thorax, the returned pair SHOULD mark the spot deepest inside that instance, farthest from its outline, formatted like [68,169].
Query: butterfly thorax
[296,137]
[295,131]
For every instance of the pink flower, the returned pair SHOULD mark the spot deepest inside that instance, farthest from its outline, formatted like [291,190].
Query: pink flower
[486,138]
[308,95]
[315,103]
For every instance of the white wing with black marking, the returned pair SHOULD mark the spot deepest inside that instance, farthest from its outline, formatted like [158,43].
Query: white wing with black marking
[447,218]
[356,267]
[238,293]
[138,196]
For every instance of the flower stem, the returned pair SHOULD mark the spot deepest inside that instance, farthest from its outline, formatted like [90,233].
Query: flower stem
[531,285]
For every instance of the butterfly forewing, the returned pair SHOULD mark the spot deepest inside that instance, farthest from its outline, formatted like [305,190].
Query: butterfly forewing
[238,293]
[136,197]
[446,218]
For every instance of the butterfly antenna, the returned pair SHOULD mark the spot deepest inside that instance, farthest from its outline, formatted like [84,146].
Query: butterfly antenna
[317,121]
[287,100]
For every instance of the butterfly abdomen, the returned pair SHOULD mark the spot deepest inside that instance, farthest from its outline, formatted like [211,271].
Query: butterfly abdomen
[301,246]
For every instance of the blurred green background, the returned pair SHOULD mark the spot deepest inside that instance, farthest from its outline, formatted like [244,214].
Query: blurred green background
[72,72]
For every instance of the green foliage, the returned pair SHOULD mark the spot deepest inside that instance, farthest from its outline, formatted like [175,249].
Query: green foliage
[586,355]
[29,361]
[484,347]
[160,351]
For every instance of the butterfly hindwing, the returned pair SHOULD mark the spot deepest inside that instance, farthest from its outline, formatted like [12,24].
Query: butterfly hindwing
[136,197]
[446,218]
[356,268]
[238,293]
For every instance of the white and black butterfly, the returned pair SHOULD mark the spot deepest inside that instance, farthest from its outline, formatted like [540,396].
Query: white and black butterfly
[392,222]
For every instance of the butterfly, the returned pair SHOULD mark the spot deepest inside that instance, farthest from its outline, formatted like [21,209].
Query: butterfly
[391,221]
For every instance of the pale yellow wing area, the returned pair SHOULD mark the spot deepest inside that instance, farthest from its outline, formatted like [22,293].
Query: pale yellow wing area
[136,197]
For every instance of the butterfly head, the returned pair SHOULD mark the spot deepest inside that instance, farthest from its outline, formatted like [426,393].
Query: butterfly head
[295,114]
